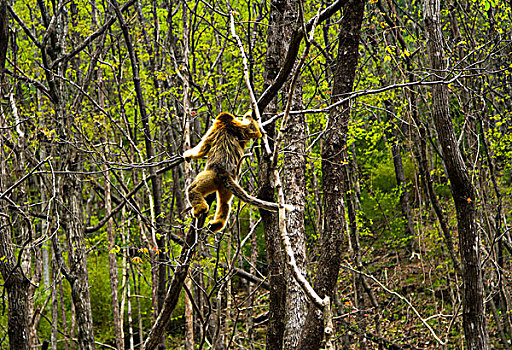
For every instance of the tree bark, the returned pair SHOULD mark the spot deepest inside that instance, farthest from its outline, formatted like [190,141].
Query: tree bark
[17,317]
[294,188]
[334,158]
[17,288]
[112,267]
[78,273]
[474,322]
[55,305]
[276,317]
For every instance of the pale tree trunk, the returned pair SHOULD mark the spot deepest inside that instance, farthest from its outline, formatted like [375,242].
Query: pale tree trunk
[228,309]
[36,279]
[55,306]
[127,294]
[334,158]
[63,313]
[250,301]
[294,187]
[474,322]
[189,317]
[112,265]
[187,144]
[72,331]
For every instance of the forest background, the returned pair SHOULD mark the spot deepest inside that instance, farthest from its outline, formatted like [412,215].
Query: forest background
[387,126]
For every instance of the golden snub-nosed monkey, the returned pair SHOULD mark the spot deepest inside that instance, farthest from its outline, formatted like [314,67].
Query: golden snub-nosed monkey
[224,145]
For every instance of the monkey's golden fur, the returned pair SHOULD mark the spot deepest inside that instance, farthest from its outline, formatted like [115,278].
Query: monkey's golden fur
[224,144]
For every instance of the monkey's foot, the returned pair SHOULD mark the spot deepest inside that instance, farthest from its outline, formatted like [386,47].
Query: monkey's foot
[216,226]
[200,210]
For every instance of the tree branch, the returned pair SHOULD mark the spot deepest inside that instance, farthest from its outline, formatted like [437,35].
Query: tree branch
[291,55]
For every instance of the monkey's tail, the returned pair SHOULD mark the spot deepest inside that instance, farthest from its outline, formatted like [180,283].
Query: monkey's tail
[232,185]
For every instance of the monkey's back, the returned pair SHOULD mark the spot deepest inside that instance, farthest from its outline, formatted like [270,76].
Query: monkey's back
[226,149]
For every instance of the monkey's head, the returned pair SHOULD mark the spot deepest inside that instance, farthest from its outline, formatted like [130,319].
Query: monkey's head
[225,118]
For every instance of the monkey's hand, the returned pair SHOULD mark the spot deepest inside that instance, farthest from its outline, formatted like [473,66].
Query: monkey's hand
[188,155]
[248,115]
[288,207]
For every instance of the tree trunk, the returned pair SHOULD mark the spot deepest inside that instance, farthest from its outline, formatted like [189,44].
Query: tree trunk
[276,316]
[189,318]
[112,267]
[463,192]
[55,305]
[18,320]
[17,317]
[334,158]
[79,278]
[294,188]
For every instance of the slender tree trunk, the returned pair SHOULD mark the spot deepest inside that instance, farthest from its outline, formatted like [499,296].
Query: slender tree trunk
[55,306]
[429,185]
[171,299]
[474,322]
[189,318]
[276,317]
[112,266]
[188,172]
[334,158]
[251,300]
[360,286]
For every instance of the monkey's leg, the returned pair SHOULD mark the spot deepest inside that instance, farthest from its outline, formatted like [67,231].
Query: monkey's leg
[204,183]
[224,197]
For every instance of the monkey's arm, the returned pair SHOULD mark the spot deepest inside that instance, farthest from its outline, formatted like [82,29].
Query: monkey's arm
[200,151]
[202,148]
